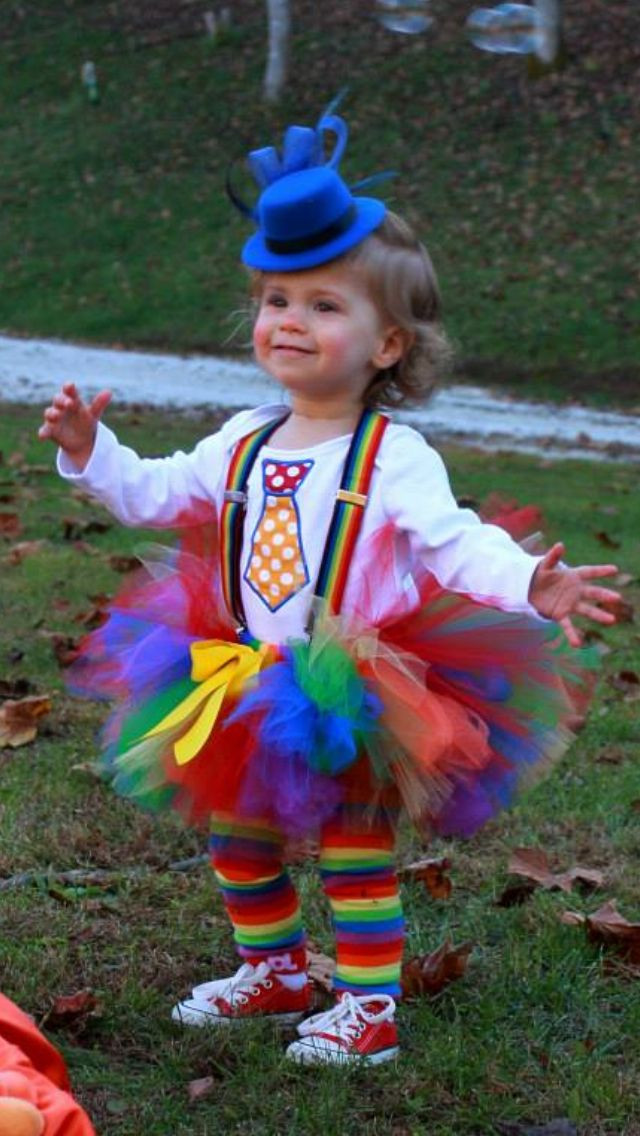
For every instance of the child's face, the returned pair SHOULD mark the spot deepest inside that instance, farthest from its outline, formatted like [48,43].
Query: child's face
[319,333]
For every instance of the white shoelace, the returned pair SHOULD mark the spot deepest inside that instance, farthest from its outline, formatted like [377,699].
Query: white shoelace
[245,982]
[348,1017]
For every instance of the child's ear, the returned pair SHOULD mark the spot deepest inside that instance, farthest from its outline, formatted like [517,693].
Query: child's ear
[394,343]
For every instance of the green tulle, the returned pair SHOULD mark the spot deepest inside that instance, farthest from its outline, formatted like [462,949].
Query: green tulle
[138,722]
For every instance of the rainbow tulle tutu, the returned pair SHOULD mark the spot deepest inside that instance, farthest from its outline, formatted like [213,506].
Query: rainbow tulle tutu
[445,705]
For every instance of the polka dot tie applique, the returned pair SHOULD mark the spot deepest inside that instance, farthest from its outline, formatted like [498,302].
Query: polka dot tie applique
[277,568]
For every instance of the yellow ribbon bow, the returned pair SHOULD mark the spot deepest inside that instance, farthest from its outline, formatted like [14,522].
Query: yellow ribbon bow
[221,668]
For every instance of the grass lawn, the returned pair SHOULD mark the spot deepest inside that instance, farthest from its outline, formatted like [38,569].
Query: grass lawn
[115,226]
[545,1024]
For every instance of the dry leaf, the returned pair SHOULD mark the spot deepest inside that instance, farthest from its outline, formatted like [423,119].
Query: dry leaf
[432,874]
[15,688]
[199,1089]
[607,540]
[86,548]
[18,719]
[610,755]
[64,647]
[628,682]
[19,552]
[426,975]
[71,1011]
[609,928]
[533,864]
[621,609]
[9,524]
[75,529]
[92,618]
[321,969]
[516,893]
[123,563]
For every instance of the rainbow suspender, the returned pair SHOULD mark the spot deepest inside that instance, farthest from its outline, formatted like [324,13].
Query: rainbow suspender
[346,521]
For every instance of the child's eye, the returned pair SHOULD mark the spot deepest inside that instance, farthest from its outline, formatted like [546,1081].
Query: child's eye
[275,300]
[326,306]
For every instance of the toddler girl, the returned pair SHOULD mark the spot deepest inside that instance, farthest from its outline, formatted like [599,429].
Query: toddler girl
[335,640]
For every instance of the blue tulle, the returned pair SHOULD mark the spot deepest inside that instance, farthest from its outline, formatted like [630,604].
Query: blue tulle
[293,726]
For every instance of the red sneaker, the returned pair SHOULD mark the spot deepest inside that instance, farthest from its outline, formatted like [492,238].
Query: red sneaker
[359,1028]
[253,991]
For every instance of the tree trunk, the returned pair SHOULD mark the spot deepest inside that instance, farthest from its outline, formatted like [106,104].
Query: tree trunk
[275,77]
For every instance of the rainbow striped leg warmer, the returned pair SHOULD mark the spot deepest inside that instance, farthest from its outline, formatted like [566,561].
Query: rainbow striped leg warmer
[258,894]
[360,883]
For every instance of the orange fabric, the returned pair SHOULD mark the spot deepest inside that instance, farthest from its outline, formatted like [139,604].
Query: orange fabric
[31,1069]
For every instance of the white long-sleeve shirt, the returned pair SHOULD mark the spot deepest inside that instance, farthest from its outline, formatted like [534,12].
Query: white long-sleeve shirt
[409,488]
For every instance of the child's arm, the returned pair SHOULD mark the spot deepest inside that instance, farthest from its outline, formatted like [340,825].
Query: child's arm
[154,492]
[477,559]
[161,492]
[558,592]
[72,423]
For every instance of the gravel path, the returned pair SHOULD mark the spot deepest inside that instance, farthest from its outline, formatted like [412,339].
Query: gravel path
[30,370]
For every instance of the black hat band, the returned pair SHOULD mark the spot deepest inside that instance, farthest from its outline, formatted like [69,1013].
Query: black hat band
[314,240]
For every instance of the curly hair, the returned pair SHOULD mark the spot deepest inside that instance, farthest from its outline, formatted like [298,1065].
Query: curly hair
[398,272]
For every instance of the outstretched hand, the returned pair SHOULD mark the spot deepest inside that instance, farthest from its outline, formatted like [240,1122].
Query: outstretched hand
[72,423]
[559,592]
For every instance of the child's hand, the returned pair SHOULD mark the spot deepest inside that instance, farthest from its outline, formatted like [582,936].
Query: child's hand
[72,423]
[558,593]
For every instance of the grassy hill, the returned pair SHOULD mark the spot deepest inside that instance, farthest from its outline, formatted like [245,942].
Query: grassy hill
[115,227]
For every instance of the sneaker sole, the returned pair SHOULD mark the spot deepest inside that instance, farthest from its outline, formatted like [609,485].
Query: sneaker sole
[310,1056]
[204,1021]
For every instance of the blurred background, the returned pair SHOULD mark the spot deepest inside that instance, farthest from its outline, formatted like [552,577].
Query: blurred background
[120,120]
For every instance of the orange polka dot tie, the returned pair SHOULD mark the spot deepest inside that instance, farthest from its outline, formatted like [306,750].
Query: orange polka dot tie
[277,568]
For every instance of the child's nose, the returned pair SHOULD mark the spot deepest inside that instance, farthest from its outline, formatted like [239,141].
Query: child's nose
[292,317]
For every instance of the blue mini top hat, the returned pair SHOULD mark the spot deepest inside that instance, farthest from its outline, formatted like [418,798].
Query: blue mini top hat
[306,215]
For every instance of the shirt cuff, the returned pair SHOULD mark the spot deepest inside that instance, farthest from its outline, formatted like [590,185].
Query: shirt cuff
[70,472]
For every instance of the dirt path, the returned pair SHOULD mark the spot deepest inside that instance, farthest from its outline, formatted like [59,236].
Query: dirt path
[30,370]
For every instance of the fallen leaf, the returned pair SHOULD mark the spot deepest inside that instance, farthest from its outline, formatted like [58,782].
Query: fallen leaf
[533,864]
[610,755]
[65,647]
[199,1089]
[9,524]
[86,548]
[432,874]
[74,529]
[18,719]
[123,563]
[628,683]
[19,552]
[622,579]
[92,618]
[426,975]
[608,927]
[15,688]
[621,609]
[516,893]
[321,969]
[607,540]
[90,768]
[72,1010]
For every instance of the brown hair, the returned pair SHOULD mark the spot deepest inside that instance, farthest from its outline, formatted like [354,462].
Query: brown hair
[398,271]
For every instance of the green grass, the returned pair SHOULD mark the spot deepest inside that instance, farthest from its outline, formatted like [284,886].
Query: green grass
[115,227]
[537,1029]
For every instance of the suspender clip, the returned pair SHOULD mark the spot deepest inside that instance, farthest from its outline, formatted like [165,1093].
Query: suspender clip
[235,496]
[351,497]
